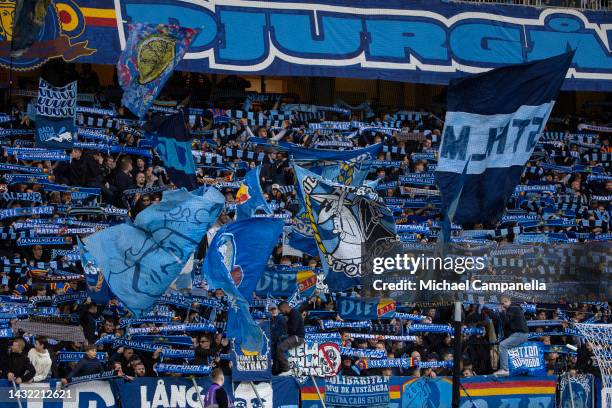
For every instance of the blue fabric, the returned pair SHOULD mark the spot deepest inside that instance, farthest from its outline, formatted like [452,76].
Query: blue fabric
[253,367]
[528,358]
[345,220]
[97,288]
[284,281]
[493,123]
[234,262]
[249,197]
[170,138]
[359,309]
[139,261]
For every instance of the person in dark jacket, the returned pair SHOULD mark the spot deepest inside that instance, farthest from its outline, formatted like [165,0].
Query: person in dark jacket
[516,331]
[278,328]
[123,180]
[88,315]
[88,365]
[216,396]
[295,336]
[19,368]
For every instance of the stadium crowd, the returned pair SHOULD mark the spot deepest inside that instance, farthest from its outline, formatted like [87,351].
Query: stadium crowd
[131,182]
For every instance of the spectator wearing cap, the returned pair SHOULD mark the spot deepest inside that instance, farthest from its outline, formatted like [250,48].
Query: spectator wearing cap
[278,326]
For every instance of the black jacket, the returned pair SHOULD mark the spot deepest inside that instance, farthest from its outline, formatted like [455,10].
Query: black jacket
[20,365]
[295,324]
[514,321]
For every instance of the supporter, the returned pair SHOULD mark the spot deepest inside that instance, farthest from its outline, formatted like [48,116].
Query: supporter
[216,395]
[40,359]
[295,336]
[88,365]
[17,366]
[516,332]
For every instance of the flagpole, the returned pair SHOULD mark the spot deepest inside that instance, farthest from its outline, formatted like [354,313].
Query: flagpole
[457,356]
[256,393]
[318,392]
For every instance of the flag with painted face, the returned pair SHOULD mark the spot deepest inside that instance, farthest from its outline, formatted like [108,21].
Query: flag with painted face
[493,123]
[97,288]
[234,263]
[249,197]
[345,220]
[140,261]
[170,138]
[151,54]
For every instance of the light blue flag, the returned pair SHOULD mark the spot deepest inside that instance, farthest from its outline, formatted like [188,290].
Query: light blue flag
[234,263]
[249,197]
[139,261]
[97,288]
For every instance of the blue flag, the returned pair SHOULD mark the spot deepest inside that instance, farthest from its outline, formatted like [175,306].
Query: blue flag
[151,54]
[249,197]
[349,168]
[170,138]
[139,261]
[29,19]
[97,288]
[345,220]
[234,262]
[55,115]
[493,123]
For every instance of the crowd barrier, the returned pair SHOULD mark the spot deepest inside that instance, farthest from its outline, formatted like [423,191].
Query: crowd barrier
[339,391]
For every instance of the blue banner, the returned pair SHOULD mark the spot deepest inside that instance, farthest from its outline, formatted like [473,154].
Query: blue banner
[248,367]
[360,309]
[527,358]
[284,281]
[55,115]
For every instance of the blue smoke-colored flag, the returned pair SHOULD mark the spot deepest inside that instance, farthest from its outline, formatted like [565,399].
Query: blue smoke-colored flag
[97,288]
[151,54]
[249,197]
[234,263]
[345,220]
[170,138]
[493,123]
[139,261]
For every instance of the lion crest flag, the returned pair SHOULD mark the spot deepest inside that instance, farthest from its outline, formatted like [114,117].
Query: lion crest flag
[151,54]
[344,219]
[493,123]
[55,115]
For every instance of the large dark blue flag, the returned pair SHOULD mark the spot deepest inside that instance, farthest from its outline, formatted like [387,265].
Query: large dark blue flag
[172,141]
[234,262]
[493,123]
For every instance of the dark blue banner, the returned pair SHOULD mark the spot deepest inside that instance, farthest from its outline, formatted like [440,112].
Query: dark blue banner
[252,367]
